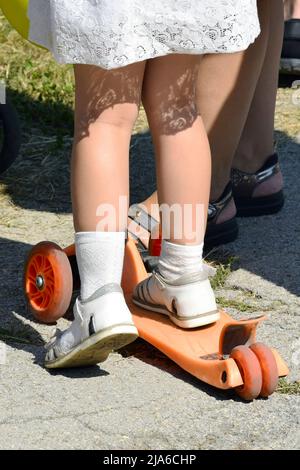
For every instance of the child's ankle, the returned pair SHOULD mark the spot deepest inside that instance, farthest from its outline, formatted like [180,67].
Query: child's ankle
[179,260]
[100,260]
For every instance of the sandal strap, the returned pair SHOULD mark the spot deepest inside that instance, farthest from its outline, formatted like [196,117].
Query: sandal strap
[244,184]
[142,218]
[216,207]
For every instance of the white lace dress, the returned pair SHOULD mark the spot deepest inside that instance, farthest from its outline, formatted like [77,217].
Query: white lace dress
[114,33]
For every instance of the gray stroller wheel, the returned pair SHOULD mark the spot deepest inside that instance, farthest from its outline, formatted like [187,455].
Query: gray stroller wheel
[11,142]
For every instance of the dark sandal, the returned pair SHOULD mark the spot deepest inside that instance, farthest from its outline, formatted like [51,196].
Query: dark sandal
[225,232]
[244,184]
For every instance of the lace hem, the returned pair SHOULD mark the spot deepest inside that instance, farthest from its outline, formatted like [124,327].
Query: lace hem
[114,34]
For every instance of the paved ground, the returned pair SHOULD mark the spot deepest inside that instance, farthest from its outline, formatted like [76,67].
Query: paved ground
[142,400]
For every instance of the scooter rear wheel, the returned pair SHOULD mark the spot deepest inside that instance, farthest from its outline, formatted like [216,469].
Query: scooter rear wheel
[48,282]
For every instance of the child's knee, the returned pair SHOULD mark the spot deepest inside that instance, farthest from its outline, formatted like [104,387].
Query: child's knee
[171,115]
[120,116]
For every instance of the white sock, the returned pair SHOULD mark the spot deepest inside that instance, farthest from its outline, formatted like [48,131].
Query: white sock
[177,260]
[100,257]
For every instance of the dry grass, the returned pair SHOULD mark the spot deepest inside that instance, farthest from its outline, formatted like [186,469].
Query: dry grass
[43,94]
[287,388]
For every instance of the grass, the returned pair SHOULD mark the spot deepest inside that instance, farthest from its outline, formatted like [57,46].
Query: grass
[43,94]
[224,267]
[31,73]
[286,388]
[239,305]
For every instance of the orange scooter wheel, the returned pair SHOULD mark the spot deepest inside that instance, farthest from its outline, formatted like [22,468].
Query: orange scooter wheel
[48,282]
[250,370]
[268,366]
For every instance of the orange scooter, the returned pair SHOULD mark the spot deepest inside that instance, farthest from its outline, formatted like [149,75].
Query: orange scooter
[224,354]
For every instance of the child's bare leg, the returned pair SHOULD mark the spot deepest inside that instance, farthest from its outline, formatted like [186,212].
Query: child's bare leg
[224,100]
[180,287]
[107,104]
[106,107]
[180,140]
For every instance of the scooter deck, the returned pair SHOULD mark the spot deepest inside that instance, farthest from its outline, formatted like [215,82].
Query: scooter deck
[203,352]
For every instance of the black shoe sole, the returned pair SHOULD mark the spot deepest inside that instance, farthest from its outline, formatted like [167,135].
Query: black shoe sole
[257,206]
[220,234]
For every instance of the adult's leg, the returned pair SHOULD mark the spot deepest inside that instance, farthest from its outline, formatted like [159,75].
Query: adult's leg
[291,9]
[290,54]
[296,10]
[257,140]
[226,87]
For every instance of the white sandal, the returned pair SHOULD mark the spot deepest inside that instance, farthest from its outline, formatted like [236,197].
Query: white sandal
[102,324]
[189,301]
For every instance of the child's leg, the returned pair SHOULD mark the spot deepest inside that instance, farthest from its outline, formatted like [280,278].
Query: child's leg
[183,160]
[180,288]
[232,91]
[107,104]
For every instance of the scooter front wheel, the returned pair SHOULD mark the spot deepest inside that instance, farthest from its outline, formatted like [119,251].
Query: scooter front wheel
[250,370]
[268,366]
